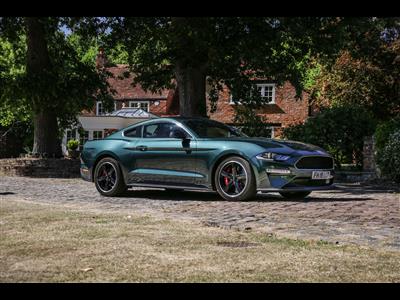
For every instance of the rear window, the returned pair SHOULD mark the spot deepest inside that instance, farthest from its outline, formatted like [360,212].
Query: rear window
[133,132]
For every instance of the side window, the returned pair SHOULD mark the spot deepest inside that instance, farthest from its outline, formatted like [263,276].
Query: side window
[133,132]
[157,130]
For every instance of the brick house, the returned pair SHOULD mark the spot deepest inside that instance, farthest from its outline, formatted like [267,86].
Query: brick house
[282,108]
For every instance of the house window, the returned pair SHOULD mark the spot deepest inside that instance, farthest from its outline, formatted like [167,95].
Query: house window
[83,138]
[140,104]
[267,93]
[99,108]
[97,135]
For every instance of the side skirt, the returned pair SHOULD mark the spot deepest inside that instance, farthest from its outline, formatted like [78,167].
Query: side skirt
[184,187]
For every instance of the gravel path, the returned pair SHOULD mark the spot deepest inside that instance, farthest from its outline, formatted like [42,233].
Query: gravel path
[353,214]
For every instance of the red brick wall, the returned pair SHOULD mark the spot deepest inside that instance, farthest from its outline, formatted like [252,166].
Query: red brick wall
[287,109]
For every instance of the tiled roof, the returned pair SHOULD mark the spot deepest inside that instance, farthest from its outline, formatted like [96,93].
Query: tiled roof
[124,88]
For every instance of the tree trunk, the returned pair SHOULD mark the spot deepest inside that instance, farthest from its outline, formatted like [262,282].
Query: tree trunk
[45,140]
[192,90]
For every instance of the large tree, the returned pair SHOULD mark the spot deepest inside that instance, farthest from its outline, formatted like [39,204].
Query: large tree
[229,51]
[54,84]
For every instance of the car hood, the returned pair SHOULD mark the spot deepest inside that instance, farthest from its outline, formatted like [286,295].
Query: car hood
[281,146]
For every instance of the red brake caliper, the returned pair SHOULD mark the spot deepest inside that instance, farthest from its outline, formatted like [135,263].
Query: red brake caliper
[226,180]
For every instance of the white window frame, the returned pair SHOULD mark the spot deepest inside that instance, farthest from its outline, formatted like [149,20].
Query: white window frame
[262,85]
[91,134]
[98,103]
[138,103]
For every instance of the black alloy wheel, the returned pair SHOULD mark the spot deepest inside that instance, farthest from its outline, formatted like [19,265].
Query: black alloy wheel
[234,179]
[108,178]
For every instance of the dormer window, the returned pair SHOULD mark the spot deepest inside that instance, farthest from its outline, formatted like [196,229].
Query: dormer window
[99,108]
[140,104]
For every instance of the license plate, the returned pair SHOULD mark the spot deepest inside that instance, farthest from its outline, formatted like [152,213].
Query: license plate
[321,175]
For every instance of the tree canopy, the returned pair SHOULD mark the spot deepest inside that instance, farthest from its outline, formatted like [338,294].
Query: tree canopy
[46,76]
[53,75]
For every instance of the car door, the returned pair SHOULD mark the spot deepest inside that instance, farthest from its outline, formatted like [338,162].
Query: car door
[161,158]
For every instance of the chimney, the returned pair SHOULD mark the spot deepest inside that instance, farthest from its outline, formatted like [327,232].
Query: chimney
[101,59]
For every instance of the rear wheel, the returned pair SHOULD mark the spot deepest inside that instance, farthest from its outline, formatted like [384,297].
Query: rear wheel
[108,178]
[234,179]
[294,195]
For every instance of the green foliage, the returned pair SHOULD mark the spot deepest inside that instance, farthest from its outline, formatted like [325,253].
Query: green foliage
[250,123]
[15,137]
[339,130]
[87,49]
[389,158]
[371,81]
[384,130]
[70,85]
[73,144]
[226,48]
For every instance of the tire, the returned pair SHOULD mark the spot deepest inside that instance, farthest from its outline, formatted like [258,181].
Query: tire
[294,195]
[105,184]
[229,179]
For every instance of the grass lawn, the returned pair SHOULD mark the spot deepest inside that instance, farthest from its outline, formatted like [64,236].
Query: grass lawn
[42,243]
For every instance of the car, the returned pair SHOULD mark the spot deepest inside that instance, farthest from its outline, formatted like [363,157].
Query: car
[183,153]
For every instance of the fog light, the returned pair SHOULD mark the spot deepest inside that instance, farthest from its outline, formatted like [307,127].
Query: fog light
[278,171]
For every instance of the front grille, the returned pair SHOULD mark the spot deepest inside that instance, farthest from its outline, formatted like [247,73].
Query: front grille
[315,162]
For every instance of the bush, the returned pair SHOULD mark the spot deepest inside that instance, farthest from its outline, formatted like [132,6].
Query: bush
[15,139]
[384,130]
[339,130]
[389,158]
[73,144]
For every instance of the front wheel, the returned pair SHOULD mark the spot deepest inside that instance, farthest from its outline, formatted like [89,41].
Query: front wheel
[234,179]
[294,195]
[108,178]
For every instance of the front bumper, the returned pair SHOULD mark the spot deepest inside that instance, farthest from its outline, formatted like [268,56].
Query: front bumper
[289,178]
[298,189]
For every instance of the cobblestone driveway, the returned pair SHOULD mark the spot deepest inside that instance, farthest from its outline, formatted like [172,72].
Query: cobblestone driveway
[350,214]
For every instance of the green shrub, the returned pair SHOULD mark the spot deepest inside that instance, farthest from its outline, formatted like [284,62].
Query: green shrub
[389,158]
[73,144]
[384,130]
[339,130]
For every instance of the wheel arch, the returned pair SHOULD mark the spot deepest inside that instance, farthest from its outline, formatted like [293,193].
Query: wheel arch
[225,156]
[102,155]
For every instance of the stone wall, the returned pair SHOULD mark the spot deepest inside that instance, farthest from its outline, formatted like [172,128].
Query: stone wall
[40,167]
[368,154]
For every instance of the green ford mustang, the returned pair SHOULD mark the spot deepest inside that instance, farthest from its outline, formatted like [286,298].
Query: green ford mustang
[196,153]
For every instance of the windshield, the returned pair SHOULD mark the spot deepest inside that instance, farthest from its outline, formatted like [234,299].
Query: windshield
[212,129]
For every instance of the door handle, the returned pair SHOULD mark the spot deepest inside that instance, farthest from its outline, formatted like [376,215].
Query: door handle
[141,148]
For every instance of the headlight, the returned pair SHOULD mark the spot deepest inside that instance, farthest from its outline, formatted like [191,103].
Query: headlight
[270,156]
